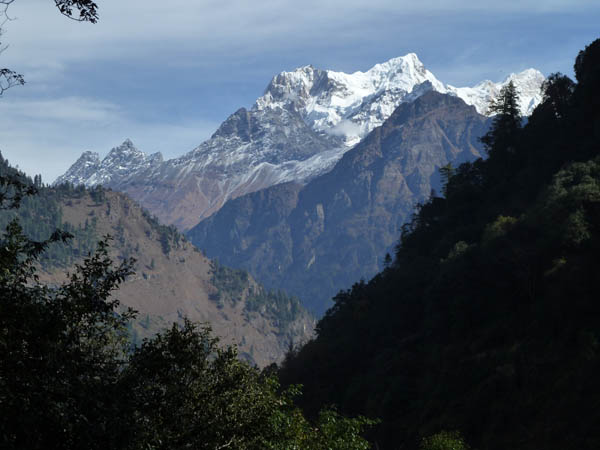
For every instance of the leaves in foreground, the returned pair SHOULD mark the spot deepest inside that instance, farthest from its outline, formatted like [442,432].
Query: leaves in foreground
[70,379]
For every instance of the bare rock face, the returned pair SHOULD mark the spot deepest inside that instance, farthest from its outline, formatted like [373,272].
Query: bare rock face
[253,231]
[305,121]
[314,240]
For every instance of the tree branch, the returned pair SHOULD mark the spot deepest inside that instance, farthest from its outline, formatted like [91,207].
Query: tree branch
[87,10]
[78,10]
[8,79]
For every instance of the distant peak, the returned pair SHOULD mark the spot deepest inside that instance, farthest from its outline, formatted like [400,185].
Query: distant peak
[89,155]
[302,71]
[157,156]
[527,74]
[409,57]
[408,60]
[126,147]
[533,71]
[127,143]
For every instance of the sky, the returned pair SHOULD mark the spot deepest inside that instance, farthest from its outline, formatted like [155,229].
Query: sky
[166,73]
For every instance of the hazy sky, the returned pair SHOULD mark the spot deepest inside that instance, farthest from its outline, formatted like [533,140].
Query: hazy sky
[166,73]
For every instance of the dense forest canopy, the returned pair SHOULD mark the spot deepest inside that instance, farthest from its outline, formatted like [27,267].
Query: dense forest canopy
[486,321]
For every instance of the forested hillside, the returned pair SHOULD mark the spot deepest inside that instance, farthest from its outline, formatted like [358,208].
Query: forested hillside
[486,321]
[171,279]
[70,376]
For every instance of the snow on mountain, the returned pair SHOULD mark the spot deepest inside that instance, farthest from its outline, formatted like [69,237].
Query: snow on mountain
[348,105]
[121,163]
[82,170]
[528,84]
[299,128]
[352,105]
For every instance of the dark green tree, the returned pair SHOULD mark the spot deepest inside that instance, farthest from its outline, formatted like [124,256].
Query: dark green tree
[444,440]
[503,135]
[587,72]
[61,349]
[186,391]
[446,173]
[558,92]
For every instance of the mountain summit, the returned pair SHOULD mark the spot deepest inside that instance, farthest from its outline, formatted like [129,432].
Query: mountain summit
[348,105]
[121,163]
[352,105]
[298,129]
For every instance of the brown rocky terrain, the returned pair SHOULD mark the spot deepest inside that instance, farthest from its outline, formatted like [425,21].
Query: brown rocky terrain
[174,280]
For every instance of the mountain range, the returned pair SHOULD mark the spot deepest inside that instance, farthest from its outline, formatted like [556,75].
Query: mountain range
[313,240]
[298,129]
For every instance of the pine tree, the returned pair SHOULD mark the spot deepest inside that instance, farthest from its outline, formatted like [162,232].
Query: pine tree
[446,173]
[502,137]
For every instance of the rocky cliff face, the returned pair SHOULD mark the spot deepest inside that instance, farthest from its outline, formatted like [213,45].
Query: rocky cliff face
[253,231]
[302,125]
[317,239]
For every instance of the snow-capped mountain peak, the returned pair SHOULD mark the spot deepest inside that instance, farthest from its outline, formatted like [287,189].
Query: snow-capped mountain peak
[123,157]
[352,105]
[347,104]
[299,128]
[529,83]
[120,162]
[85,167]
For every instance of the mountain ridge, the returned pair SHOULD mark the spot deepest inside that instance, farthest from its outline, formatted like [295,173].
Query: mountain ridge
[316,239]
[298,129]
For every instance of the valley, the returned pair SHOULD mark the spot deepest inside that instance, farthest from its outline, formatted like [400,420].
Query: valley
[172,280]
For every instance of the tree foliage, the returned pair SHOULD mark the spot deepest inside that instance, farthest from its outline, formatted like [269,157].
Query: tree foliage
[69,377]
[41,214]
[188,392]
[80,10]
[444,440]
[61,349]
[501,139]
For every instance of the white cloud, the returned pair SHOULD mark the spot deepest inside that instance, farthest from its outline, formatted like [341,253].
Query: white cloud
[345,128]
[142,28]
[67,109]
